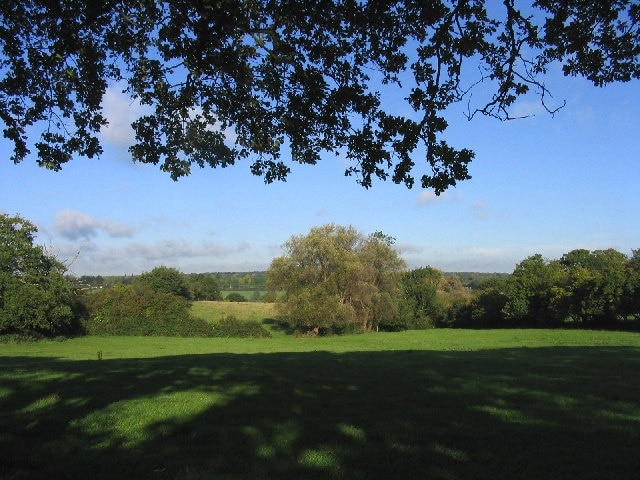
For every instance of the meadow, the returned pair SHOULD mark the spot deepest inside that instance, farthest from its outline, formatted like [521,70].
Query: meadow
[442,404]
[250,295]
[246,311]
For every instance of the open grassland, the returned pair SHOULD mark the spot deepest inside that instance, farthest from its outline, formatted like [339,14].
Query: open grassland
[442,404]
[248,294]
[245,311]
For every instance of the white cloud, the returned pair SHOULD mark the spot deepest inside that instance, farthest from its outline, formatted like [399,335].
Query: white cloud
[467,259]
[525,109]
[481,209]
[426,196]
[409,248]
[120,111]
[138,257]
[74,225]
[171,250]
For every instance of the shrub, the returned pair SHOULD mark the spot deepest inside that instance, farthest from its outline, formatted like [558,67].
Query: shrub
[235,297]
[126,310]
[230,326]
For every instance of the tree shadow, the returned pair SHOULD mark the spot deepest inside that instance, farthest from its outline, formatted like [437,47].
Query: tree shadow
[564,412]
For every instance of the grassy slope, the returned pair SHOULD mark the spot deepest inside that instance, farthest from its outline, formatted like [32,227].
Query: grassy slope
[433,404]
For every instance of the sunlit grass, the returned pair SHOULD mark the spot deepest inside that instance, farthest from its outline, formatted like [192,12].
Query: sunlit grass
[456,404]
[87,348]
[247,311]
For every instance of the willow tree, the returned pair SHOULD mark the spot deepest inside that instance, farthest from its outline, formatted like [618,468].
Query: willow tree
[230,80]
[335,278]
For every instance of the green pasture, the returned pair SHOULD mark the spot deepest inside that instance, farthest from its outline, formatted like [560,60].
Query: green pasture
[248,294]
[213,312]
[441,404]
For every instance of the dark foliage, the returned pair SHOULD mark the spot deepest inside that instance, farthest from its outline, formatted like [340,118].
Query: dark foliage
[230,326]
[125,310]
[165,280]
[235,297]
[35,297]
[305,76]
[585,289]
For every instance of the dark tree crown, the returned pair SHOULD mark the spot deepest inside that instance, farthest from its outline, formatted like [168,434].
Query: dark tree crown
[294,76]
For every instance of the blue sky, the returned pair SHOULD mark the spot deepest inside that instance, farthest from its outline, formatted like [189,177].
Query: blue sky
[540,185]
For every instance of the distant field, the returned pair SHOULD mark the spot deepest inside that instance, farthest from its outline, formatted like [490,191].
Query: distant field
[247,311]
[248,294]
[435,404]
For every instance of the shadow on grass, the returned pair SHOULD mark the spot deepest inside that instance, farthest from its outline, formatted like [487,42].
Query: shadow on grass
[513,413]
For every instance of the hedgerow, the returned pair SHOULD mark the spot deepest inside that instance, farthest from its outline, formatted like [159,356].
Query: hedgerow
[126,310]
[230,326]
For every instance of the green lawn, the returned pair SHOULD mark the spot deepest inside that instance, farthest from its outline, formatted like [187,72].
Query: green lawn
[443,404]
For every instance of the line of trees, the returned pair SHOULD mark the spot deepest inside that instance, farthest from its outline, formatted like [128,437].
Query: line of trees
[193,286]
[594,289]
[202,286]
[335,279]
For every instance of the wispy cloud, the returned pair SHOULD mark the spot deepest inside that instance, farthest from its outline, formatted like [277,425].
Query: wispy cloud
[74,225]
[409,248]
[426,196]
[138,257]
[120,111]
[480,208]
[475,258]
[527,109]
[171,250]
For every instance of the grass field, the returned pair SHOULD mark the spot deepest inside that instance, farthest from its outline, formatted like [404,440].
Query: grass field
[442,404]
[250,311]
[260,312]
[248,294]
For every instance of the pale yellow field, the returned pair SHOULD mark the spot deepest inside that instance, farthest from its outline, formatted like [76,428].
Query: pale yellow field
[246,311]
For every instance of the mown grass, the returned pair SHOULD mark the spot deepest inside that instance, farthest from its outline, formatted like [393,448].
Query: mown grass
[444,404]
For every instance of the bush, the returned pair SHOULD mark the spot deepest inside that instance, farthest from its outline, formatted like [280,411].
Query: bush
[126,310]
[235,297]
[399,323]
[230,326]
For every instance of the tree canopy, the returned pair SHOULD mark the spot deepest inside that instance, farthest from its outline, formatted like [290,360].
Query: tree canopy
[165,280]
[596,288]
[35,297]
[236,80]
[335,278]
